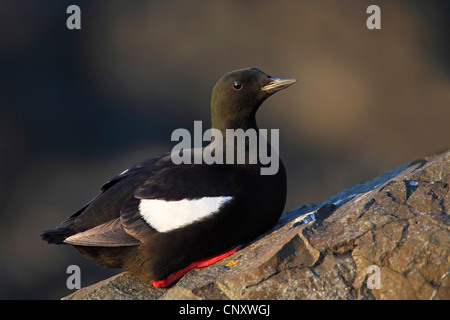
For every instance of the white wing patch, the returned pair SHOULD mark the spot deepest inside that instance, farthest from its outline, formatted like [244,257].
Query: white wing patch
[168,215]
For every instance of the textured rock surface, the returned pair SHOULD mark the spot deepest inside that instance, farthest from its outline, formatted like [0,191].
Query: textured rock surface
[398,222]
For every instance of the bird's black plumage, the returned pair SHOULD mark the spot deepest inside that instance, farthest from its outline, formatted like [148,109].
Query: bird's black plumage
[113,230]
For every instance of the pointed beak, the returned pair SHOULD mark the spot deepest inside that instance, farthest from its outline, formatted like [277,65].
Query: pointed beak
[277,84]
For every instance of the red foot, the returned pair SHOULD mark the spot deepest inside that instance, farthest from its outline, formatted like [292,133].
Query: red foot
[196,264]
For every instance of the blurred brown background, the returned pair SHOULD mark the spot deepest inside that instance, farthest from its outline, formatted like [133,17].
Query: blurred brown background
[77,107]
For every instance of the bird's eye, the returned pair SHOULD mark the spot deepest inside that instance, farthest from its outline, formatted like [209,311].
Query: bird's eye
[237,85]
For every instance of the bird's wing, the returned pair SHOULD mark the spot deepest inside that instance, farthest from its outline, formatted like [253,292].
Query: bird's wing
[106,206]
[108,234]
[176,196]
[159,196]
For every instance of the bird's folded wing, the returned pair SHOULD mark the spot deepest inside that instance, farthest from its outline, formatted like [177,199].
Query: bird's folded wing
[176,196]
[180,182]
[109,234]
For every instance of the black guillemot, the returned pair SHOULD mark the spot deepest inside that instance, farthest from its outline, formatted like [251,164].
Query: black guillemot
[158,219]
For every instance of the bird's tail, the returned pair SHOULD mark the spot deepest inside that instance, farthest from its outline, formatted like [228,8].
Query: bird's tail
[56,236]
[62,231]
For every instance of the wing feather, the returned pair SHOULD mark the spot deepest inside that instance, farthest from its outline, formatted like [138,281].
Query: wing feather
[108,234]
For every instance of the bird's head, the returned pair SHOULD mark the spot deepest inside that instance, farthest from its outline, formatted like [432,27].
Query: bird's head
[237,96]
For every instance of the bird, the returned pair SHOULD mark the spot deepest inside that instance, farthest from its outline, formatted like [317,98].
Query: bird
[158,220]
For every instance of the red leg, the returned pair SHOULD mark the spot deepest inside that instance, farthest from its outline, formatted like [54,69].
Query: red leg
[196,264]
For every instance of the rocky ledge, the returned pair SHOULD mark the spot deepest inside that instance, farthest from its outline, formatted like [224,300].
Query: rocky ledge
[388,238]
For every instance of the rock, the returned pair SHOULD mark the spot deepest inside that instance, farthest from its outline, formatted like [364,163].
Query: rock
[398,222]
